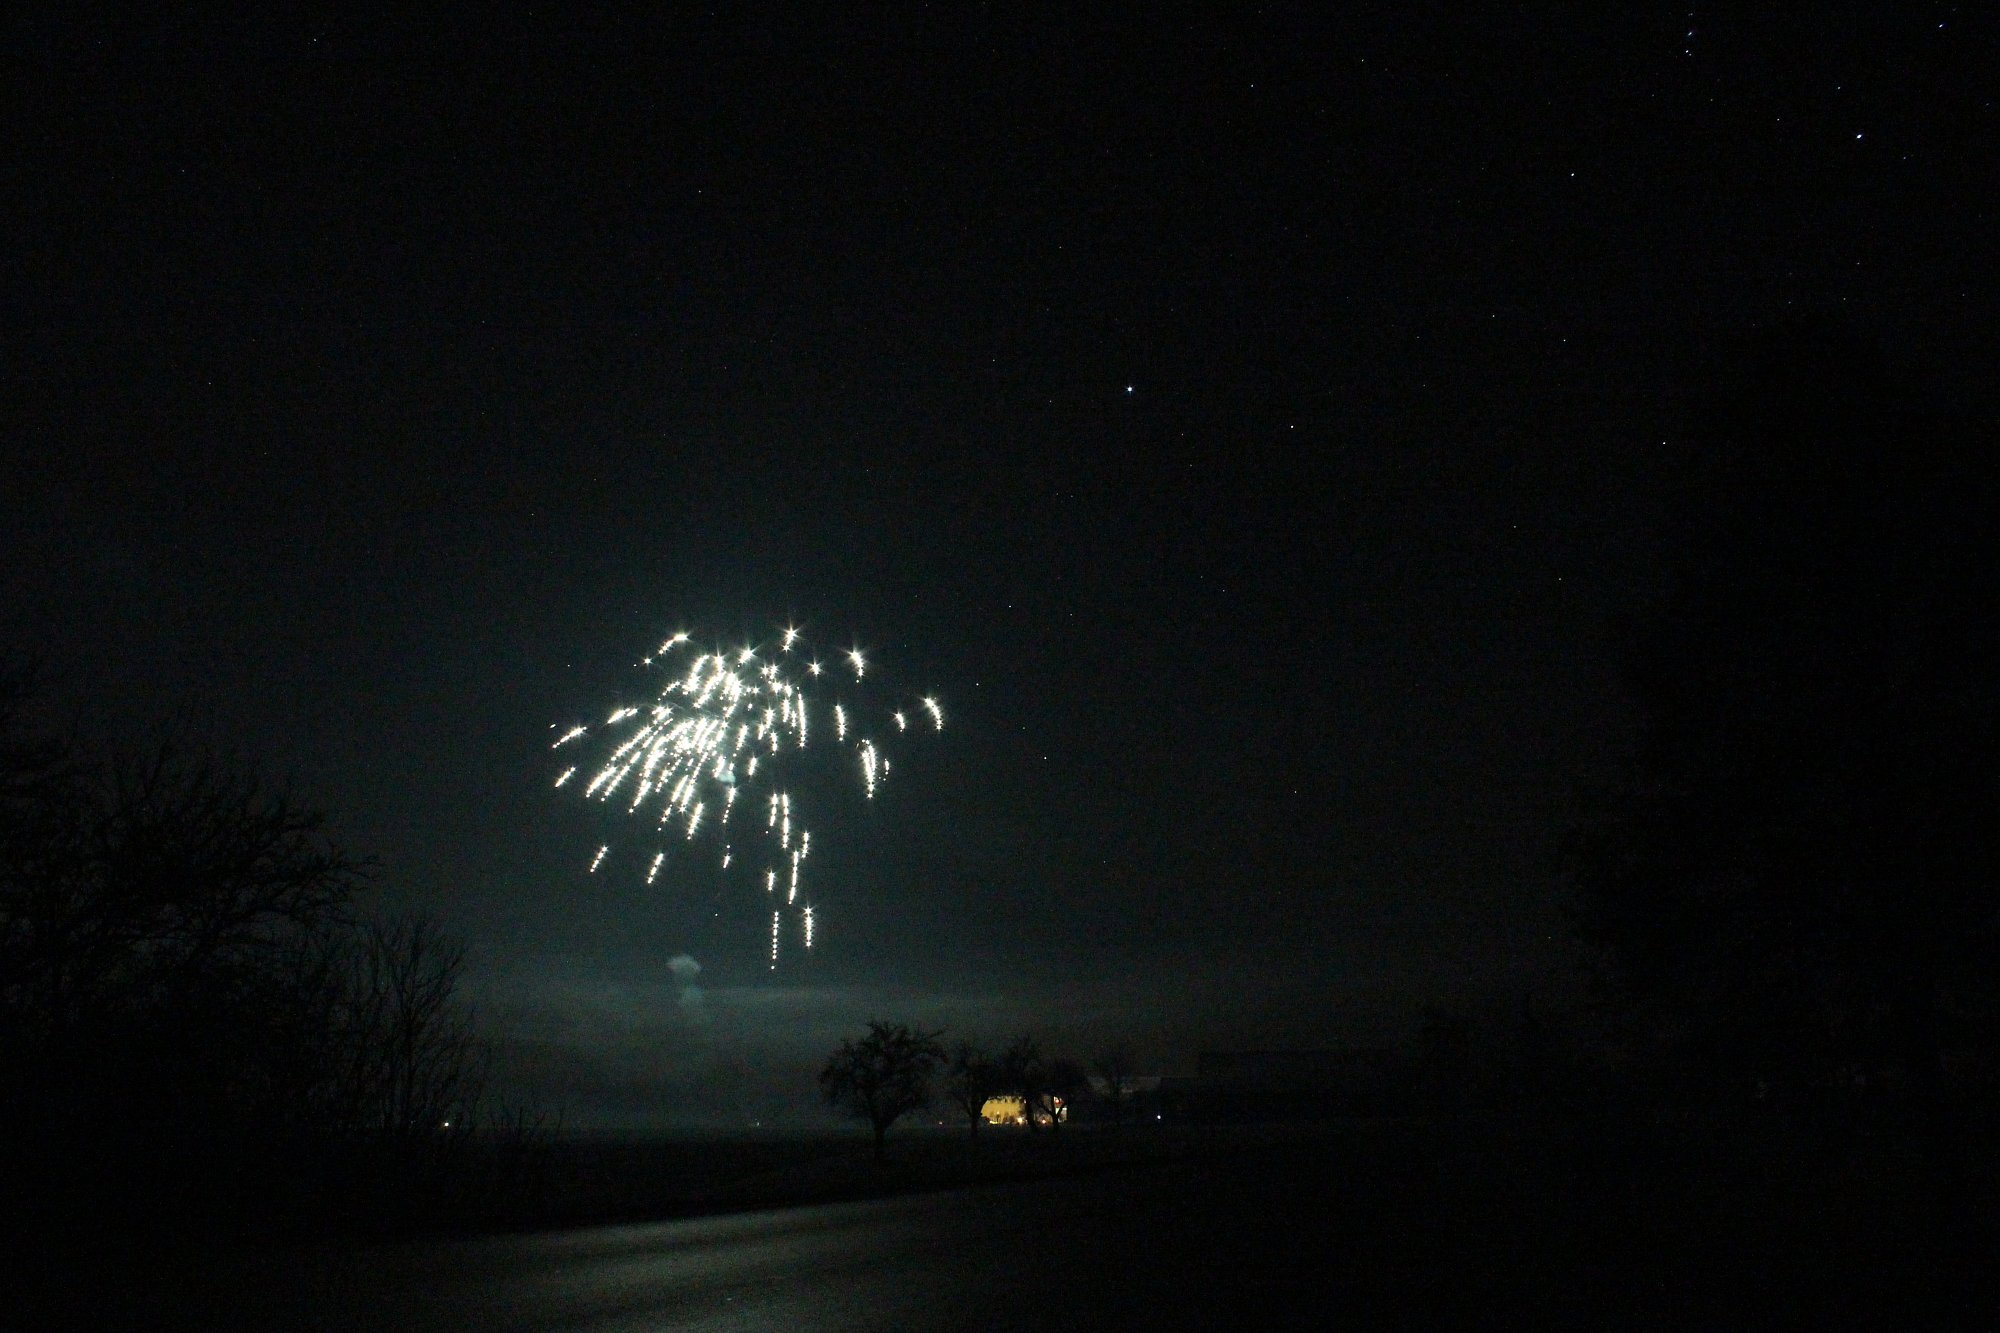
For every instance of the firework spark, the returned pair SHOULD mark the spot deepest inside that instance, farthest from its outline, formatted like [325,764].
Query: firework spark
[690,753]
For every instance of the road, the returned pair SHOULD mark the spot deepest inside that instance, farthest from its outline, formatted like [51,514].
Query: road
[1347,1232]
[1169,1246]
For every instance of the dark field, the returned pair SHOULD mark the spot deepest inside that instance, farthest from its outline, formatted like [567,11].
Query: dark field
[640,1179]
[1365,1226]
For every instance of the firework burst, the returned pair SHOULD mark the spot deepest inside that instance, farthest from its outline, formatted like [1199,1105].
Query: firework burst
[710,760]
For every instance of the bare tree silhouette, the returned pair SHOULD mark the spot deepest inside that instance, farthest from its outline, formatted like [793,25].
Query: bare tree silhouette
[883,1076]
[188,991]
[972,1078]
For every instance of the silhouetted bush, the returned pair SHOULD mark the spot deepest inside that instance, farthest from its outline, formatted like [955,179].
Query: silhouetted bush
[197,1021]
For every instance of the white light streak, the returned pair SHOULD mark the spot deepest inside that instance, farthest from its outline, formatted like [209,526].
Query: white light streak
[726,721]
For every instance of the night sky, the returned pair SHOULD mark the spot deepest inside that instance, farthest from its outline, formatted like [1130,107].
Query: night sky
[1249,428]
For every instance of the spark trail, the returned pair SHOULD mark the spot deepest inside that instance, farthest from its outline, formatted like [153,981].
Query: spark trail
[731,728]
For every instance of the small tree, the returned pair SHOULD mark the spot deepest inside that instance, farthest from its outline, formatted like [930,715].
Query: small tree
[883,1076]
[1062,1080]
[1116,1067]
[1022,1070]
[413,1062]
[970,1081]
[1044,1086]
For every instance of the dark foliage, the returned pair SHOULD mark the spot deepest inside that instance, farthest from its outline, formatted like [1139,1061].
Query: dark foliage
[1799,883]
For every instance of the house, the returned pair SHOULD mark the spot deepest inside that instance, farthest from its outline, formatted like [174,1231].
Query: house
[1014,1111]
